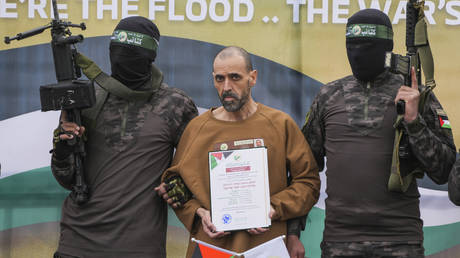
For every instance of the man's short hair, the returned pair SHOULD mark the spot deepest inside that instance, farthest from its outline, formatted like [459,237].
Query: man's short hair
[232,50]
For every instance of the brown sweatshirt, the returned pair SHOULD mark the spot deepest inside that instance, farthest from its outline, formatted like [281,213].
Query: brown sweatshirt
[287,151]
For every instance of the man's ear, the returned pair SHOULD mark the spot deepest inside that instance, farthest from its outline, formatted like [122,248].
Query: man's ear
[213,79]
[252,77]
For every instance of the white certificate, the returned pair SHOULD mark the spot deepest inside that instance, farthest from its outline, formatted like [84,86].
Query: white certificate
[240,195]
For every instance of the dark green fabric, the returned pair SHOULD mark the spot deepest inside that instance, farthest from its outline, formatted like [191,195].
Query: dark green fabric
[89,68]
[116,88]
[369,31]
[400,181]
[135,39]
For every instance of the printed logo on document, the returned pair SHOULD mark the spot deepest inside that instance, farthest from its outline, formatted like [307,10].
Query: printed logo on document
[227,218]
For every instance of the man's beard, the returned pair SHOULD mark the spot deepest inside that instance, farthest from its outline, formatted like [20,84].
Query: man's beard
[237,103]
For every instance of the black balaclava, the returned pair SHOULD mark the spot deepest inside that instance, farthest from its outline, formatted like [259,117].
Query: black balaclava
[369,35]
[133,48]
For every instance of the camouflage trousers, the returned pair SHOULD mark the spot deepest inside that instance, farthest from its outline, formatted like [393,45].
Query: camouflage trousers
[370,249]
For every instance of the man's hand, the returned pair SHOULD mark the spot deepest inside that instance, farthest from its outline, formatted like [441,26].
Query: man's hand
[411,96]
[66,131]
[69,129]
[161,191]
[208,227]
[257,231]
[295,247]
[174,191]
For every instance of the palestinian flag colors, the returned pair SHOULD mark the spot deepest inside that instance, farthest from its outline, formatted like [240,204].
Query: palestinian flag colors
[275,248]
[444,123]
[443,120]
[205,250]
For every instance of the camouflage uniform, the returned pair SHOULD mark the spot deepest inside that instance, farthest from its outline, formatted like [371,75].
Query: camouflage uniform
[351,122]
[129,145]
[409,249]
[454,183]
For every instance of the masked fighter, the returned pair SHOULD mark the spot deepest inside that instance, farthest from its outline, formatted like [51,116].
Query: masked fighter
[351,123]
[131,133]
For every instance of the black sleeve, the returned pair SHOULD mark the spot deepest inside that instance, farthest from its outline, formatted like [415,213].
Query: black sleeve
[64,170]
[313,132]
[296,225]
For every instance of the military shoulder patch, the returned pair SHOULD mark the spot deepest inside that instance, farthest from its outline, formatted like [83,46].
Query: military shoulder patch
[443,120]
[441,112]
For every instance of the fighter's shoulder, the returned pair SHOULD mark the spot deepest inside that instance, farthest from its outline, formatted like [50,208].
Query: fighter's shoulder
[173,101]
[173,93]
[333,86]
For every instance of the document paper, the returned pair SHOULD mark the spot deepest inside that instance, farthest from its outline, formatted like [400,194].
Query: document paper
[240,196]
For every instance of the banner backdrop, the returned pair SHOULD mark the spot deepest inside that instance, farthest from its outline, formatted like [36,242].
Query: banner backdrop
[296,45]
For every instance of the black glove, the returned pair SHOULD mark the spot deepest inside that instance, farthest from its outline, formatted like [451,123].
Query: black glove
[177,190]
[61,148]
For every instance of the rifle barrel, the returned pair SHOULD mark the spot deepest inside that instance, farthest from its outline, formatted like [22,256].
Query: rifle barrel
[27,34]
[55,10]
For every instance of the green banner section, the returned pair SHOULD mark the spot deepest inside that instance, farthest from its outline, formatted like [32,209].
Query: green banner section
[29,198]
[441,238]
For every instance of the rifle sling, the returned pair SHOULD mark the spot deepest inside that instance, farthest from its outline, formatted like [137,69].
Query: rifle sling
[116,88]
[397,182]
[424,52]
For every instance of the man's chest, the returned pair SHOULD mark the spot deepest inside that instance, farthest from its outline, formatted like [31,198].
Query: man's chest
[361,109]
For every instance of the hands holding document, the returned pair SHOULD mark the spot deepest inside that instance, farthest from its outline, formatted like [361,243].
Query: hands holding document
[210,228]
[256,231]
[240,196]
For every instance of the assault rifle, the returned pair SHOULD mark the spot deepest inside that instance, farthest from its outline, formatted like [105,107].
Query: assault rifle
[403,167]
[418,51]
[69,94]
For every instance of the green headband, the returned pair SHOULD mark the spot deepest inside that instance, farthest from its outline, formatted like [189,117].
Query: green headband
[369,31]
[134,39]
